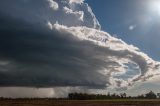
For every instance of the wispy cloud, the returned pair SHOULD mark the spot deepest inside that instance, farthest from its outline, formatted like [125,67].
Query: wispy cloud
[132,27]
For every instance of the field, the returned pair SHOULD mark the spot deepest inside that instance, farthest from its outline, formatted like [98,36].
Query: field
[45,102]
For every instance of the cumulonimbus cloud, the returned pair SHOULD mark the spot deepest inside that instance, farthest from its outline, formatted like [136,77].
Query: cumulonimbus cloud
[46,47]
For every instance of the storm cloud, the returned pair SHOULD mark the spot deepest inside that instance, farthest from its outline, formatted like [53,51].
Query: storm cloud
[59,43]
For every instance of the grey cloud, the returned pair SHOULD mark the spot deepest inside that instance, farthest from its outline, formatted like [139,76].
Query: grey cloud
[40,57]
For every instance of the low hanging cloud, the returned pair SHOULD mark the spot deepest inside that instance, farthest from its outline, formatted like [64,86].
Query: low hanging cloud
[59,44]
[57,92]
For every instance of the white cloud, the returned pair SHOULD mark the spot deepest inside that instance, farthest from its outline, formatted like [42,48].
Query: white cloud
[76,1]
[79,14]
[132,27]
[53,4]
[49,25]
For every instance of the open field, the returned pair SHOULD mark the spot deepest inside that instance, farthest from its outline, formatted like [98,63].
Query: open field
[45,102]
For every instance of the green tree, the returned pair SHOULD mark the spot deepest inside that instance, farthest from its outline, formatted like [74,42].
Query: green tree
[151,95]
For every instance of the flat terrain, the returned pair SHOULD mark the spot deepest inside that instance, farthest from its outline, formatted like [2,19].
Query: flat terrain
[45,102]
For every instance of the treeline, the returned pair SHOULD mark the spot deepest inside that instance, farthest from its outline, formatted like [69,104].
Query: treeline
[85,96]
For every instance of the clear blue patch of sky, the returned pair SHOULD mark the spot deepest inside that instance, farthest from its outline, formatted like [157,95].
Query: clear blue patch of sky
[132,70]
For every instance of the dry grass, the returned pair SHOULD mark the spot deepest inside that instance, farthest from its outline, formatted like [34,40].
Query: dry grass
[79,103]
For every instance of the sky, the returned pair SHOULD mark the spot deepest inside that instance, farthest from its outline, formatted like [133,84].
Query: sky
[136,22]
[49,48]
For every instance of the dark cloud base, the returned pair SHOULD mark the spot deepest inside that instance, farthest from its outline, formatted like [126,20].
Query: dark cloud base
[40,57]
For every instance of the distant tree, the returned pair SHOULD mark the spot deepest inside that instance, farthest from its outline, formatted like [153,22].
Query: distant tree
[123,95]
[151,95]
[158,95]
[108,95]
[142,96]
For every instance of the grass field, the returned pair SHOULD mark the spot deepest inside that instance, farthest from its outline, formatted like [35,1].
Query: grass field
[45,102]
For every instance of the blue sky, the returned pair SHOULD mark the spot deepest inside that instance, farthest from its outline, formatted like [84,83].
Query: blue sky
[135,21]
